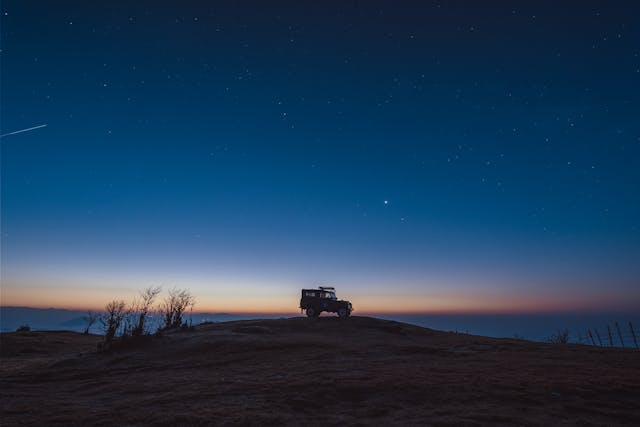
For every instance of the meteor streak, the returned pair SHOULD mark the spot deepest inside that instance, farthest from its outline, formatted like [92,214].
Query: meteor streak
[22,130]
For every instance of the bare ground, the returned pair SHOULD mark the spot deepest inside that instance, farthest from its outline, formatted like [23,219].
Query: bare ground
[330,371]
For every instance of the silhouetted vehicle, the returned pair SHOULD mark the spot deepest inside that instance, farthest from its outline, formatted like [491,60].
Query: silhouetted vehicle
[315,301]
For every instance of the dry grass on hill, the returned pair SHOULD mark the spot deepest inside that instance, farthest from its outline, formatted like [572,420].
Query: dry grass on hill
[357,371]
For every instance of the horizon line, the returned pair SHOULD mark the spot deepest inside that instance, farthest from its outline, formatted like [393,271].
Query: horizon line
[366,313]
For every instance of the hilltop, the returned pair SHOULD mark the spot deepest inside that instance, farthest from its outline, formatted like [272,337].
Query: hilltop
[355,371]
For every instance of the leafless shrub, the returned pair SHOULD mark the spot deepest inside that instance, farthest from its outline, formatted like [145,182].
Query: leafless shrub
[560,337]
[128,317]
[24,328]
[126,322]
[174,306]
[90,319]
[142,308]
[112,319]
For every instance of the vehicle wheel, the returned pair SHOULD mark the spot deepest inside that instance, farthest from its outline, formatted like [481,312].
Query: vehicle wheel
[343,312]
[311,312]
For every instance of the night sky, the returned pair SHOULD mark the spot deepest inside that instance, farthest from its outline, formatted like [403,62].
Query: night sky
[419,156]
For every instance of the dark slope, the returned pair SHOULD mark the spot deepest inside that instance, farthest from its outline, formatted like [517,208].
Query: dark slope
[315,371]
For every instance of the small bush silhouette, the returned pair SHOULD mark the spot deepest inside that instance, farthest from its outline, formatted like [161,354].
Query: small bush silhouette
[130,324]
[141,310]
[112,319]
[174,306]
[24,328]
[560,337]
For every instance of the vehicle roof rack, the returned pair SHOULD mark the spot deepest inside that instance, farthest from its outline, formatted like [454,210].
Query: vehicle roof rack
[326,288]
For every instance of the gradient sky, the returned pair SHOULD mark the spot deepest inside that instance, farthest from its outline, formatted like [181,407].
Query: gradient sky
[419,156]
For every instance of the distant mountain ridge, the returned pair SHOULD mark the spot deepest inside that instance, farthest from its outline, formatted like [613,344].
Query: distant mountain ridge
[536,326]
[46,319]
[38,318]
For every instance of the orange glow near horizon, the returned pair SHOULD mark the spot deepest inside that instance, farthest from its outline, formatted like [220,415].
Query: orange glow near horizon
[452,302]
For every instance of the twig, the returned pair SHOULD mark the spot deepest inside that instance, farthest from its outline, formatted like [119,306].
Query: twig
[633,333]
[619,334]
[598,335]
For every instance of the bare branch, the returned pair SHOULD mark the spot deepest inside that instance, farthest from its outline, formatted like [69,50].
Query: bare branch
[142,308]
[112,319]
[90,319]
[174,307]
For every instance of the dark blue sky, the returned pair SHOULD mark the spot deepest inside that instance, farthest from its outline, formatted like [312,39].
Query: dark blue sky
[451,155]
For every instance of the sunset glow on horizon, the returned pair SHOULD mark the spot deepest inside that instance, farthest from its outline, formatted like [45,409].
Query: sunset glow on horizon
[256,300]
